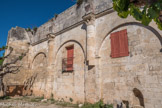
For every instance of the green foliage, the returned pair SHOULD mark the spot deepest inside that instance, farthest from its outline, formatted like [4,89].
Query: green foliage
[2,57]
[37,99]
[99,104]
[35,29]
[64,104]
[52,95]
[1,62]
[3,48]
[56,15]
[71,100]
[28,29]
[123,14]
[4,98]
[158,23]
[145,15]
[79,2]
[121,5]
[20,57]
[52,99]
[108,106]
[135,12]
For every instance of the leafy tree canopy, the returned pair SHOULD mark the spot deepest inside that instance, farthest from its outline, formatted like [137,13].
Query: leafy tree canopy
[142,10]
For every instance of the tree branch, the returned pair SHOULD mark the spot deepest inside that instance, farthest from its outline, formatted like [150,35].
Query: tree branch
[11,49]
[16,60]
[12,69]
[8,67]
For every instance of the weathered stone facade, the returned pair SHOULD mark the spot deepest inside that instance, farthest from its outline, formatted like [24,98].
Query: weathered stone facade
[136,79]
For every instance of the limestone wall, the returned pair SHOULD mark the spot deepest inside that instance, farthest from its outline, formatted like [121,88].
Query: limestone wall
[70,17]
[135,79]
[68,85]
[19,40]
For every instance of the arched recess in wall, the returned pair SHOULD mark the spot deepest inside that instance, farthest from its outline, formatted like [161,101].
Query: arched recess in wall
[72,80]
[68,42]
[37,56]
[36,69]
[157,34]
[39,73]
[111,68]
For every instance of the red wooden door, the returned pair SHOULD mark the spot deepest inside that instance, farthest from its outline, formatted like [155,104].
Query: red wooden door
[70,55]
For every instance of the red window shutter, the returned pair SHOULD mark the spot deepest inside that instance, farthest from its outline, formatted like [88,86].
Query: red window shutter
[123,43]
[70,55]
[119,44]
[115,45]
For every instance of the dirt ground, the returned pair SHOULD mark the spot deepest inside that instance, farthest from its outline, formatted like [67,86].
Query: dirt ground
[31,102]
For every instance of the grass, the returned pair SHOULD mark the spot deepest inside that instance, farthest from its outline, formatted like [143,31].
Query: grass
[37,99]
[52,101]
[62,103]
[66,104]
[4,98]
[98,104]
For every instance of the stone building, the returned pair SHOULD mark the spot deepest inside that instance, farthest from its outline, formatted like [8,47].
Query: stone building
[88,53]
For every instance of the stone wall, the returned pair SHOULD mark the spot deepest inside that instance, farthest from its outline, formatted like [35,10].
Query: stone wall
[17,39]
[120,77]
[70,17]
[135,79]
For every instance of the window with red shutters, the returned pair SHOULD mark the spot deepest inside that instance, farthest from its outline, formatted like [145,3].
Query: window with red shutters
[70,52]
[119,44]
[115,51]
[68,62]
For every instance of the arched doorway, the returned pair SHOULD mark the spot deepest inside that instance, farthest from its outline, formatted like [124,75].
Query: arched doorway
[39,72]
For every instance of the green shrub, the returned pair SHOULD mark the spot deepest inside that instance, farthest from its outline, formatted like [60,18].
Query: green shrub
[37,99]
[1,62]
[56,15]
[71,100]
[4,98]
[52,99]
[28,29]
[79,2]
[108,106]
[99,104]
[35,29]
[20,57]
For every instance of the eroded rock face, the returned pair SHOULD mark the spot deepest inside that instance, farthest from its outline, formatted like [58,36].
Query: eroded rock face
[18,33]
[19,40]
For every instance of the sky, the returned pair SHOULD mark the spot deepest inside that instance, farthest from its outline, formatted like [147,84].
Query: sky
[28,13]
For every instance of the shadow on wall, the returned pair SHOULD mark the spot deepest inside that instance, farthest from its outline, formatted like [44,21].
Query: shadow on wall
[139,97]
[15,90]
